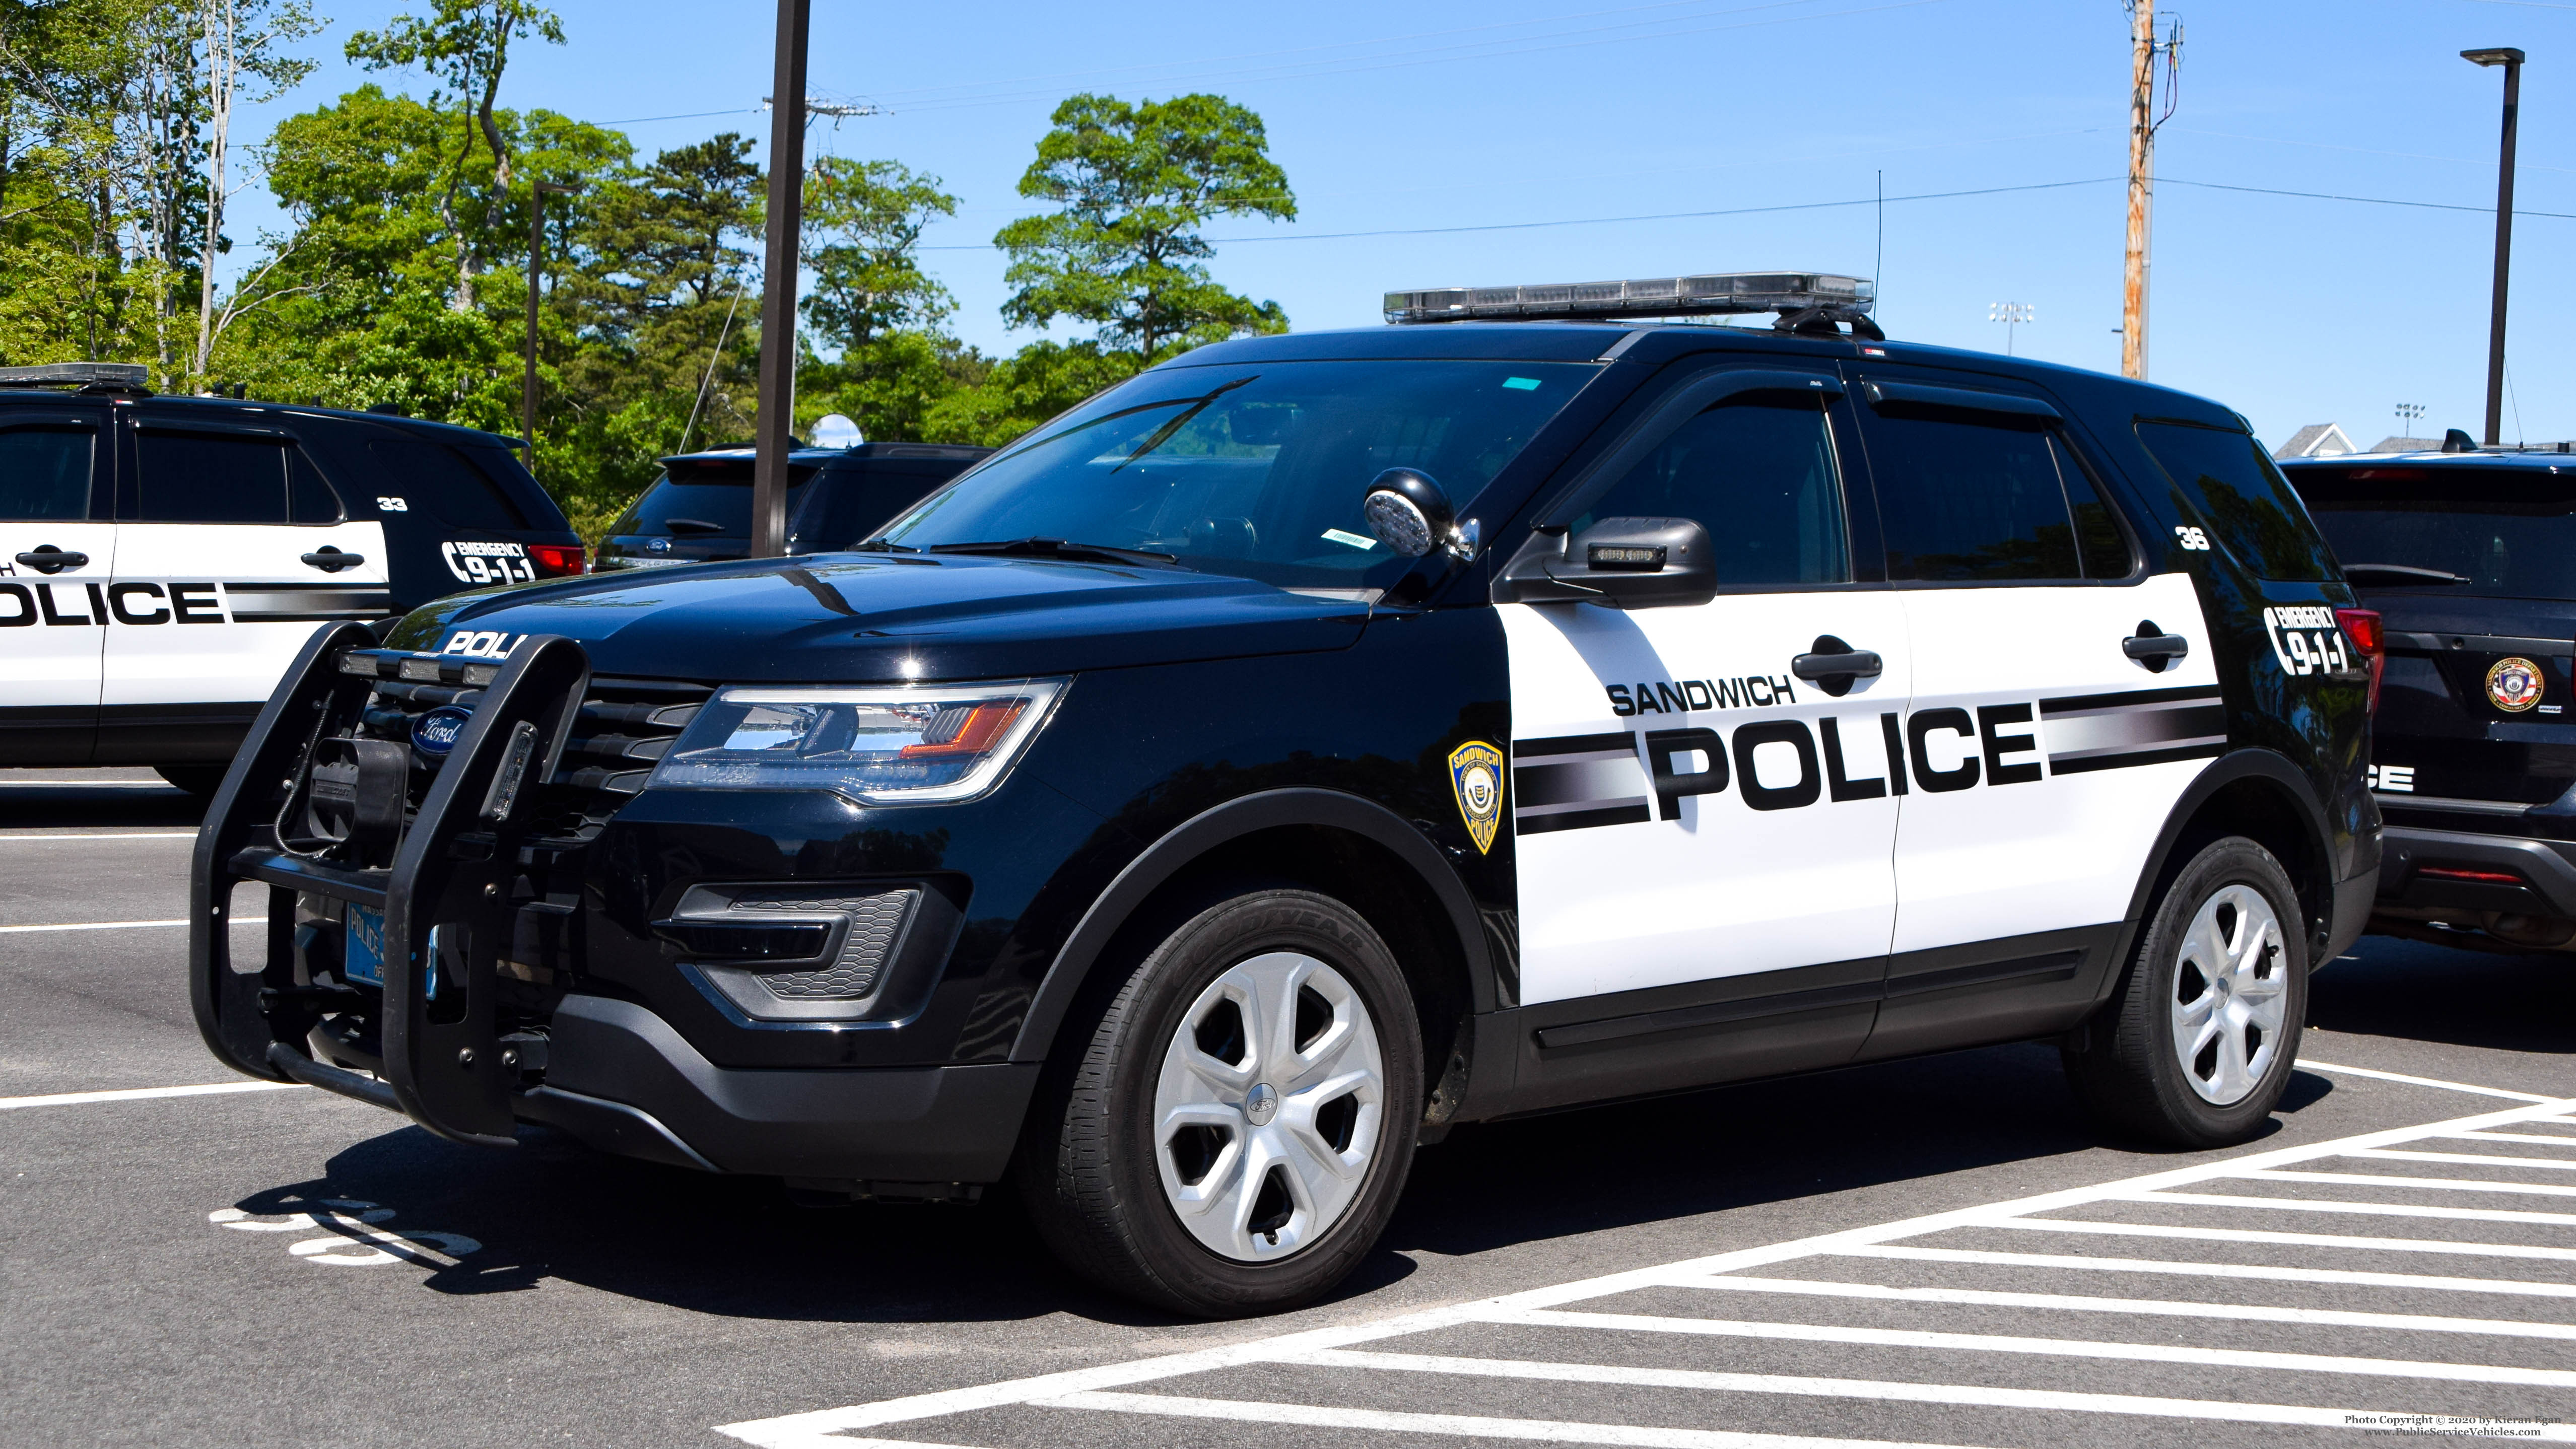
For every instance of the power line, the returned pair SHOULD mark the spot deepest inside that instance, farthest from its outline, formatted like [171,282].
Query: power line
[2365,200]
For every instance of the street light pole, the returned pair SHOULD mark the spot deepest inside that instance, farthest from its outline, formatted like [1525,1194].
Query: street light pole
[536,256]
[2511,60]
[776,433]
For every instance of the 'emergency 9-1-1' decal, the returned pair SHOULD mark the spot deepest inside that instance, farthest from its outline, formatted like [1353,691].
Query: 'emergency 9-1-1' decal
[1633,776]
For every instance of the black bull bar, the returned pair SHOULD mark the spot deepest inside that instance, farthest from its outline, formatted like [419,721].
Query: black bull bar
[449,881]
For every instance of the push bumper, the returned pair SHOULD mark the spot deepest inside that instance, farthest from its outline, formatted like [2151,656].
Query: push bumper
[2441,868]
[622,1080]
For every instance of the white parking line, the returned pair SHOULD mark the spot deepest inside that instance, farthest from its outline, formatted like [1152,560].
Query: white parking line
[6,839]
[93,926]
[2302,1240]
[1094,1388]
[2435,1184]
[2138,1307]
[2312,1064]
[2236,1358]
[1466,1426]
[2542,1138]
[2352,1209]
[144,1094]
[2473,1159]
[1975,1395]
[2239,1271]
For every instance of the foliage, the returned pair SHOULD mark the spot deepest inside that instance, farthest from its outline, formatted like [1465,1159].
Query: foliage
[1134,184]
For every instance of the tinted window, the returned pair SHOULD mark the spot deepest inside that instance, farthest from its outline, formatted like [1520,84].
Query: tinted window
[1255,471]
[44,472]
[438,480]
[716,508]
[210,478]
[309,497]
[1760,478]
[856,503]
[2224,479]
[2509,533]
[1966,502]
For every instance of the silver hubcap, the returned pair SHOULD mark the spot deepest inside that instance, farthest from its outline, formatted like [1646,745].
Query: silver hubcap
[1266,1115]
[2231,986]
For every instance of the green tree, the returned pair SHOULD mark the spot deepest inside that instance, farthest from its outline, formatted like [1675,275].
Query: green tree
[465,46]
[875,318]
[1133,184]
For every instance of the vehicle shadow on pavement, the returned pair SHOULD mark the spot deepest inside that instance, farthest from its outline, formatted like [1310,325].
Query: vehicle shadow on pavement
[71,805]
[553,1209]
[2421,991]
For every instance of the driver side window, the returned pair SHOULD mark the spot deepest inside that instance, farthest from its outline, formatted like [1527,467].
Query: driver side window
[1759,474]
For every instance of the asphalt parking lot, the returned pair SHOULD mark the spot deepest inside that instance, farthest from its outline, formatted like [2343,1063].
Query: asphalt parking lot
[1935,1252]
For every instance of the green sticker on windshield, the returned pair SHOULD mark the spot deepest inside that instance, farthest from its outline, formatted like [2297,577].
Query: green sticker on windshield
[1525,384]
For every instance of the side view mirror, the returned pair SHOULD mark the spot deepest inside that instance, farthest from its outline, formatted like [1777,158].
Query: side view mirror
[1625,563]
[1410,514]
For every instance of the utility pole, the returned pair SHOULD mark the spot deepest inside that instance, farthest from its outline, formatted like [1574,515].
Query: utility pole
[2142,178]
[776,433]
[536,256]
[2511,60]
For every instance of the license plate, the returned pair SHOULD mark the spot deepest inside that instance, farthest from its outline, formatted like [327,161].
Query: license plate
[362,954]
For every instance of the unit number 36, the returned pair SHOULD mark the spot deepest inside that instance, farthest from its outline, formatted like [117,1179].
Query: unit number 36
[2192,539]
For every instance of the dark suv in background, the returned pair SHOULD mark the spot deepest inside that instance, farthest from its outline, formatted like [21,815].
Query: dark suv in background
[699,510]
[2470,559]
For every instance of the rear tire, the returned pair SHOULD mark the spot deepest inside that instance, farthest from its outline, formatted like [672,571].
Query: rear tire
[199,780]
[2196,1049]
[1236,1122]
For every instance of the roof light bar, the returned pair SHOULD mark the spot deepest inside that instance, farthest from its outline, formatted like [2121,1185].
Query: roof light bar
[76,374]
[1712,293]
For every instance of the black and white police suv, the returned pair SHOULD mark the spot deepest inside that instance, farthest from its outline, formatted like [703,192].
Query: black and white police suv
[699,510]
[1321,741]
[163,558]
[2470,559]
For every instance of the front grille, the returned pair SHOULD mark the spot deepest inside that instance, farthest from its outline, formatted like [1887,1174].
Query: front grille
[625,725]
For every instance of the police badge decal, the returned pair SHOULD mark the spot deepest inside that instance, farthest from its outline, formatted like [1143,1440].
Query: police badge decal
[1476,774]
[2514,684]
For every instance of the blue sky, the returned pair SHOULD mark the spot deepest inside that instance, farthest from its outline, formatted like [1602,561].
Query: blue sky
[1444,115]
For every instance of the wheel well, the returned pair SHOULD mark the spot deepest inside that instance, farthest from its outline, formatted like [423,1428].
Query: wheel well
[1372,880]
[2264,813]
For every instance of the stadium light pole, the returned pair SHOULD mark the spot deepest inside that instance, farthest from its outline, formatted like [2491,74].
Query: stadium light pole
[2511,60]
[536,258]
[776,433]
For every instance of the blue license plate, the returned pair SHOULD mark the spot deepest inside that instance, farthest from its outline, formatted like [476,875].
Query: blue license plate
[362,953]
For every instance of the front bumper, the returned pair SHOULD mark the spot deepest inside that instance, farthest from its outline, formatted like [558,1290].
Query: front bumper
[2543,872]
[622,1080]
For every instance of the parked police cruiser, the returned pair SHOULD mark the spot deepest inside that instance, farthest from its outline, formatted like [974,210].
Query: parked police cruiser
[162,558]
[1320,741]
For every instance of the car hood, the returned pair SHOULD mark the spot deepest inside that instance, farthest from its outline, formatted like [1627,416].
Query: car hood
[892,617]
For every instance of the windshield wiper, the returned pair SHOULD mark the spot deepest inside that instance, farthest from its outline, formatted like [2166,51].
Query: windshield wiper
[2404,574]
[882,545]
[1058,548]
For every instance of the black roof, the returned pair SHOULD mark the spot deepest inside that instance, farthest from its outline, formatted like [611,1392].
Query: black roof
[256,408]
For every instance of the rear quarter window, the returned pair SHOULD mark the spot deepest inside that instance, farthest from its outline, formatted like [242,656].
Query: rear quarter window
[2225,479]
[436,479]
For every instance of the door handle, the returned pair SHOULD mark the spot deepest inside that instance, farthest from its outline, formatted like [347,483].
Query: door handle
[2153,647]
[1835,665]
[47,559]
[330,560]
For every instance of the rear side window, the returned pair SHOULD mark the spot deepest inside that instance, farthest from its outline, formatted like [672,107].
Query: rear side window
[1979,502]
[436,479]
[211,478]
[1760,478]
[2224,478]
[44,472]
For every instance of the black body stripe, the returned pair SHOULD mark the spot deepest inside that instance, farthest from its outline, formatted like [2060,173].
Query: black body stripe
[2073,703]
[2208,751]
[1526,750]
[1636,814]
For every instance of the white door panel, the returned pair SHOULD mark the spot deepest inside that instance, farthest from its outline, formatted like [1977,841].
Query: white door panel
[1624,885]
[2094,752]
[49,622]
[214,612]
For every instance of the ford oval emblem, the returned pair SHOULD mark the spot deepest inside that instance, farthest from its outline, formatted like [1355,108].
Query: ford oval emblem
[437,732]
[657,545]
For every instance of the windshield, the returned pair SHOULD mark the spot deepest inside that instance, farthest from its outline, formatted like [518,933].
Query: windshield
[2483,531]
[1256,471]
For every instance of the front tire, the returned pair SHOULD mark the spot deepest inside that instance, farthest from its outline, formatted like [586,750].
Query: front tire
[1239,1119]
[2198,1047]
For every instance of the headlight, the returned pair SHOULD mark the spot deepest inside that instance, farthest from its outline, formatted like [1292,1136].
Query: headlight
[880,745]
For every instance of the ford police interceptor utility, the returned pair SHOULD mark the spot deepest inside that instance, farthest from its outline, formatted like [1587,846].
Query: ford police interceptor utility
[1321,741]
[162,558]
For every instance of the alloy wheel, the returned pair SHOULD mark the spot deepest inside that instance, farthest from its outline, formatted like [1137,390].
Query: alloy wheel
[2229,990]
